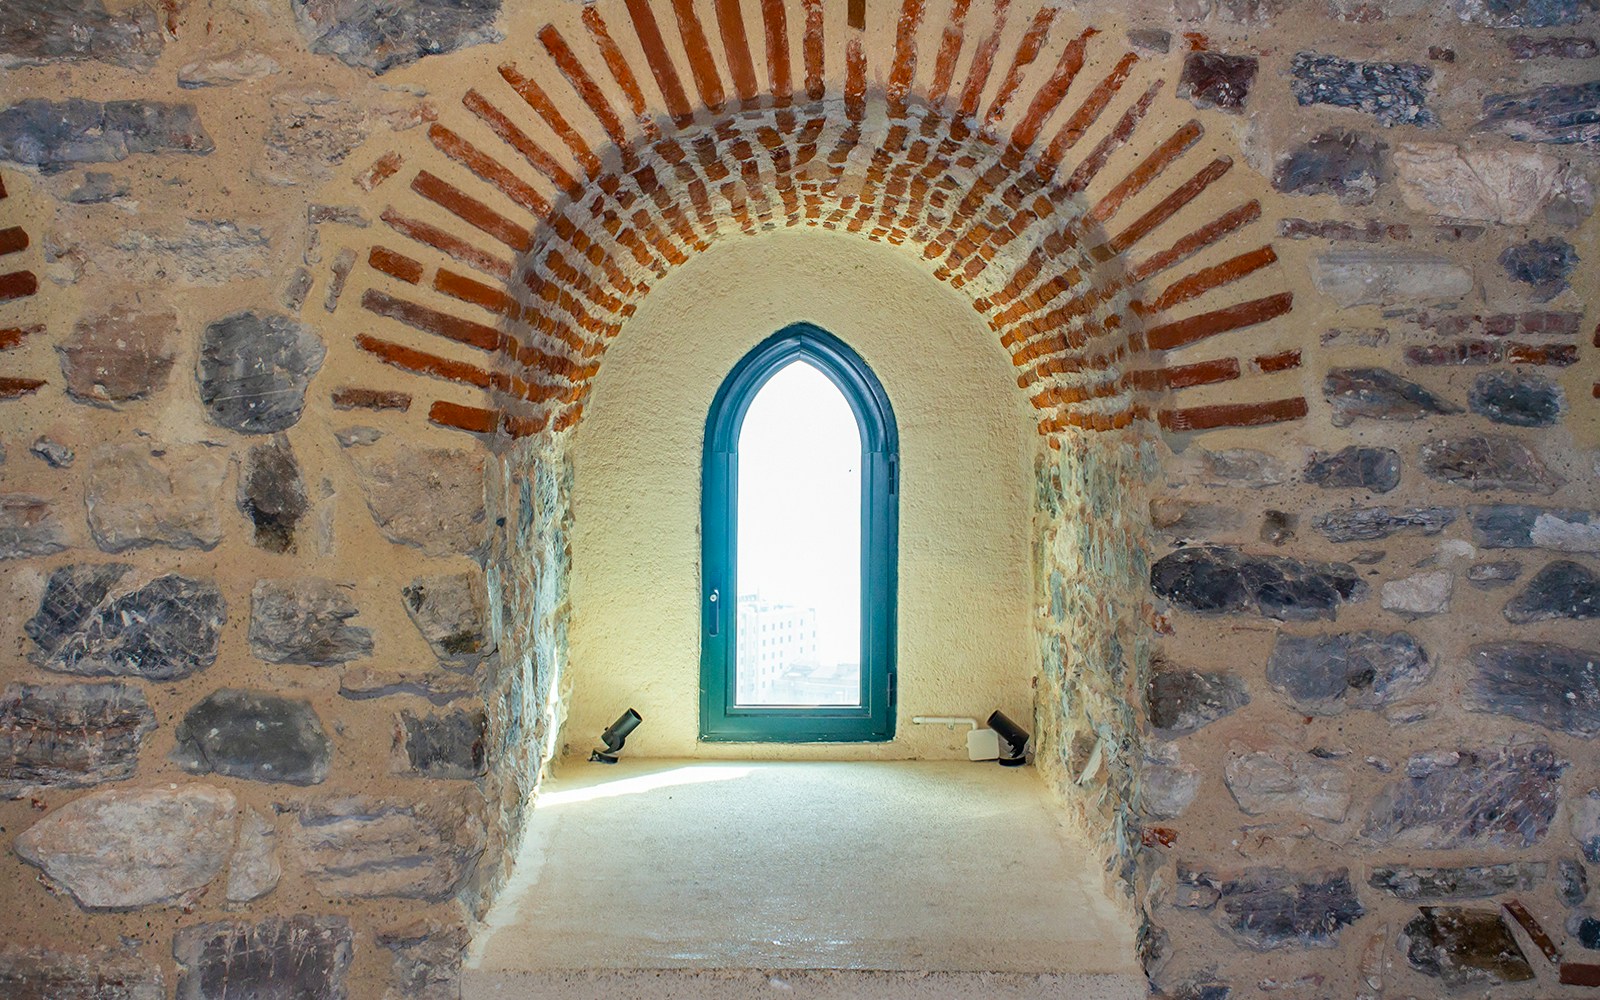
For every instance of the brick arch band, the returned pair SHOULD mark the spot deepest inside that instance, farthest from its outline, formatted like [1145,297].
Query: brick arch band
[1039,180]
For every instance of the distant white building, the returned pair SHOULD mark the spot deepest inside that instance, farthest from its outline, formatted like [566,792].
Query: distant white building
[774,640]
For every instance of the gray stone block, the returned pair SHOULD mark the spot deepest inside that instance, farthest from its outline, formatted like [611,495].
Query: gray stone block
[1365,524]
[1215,580]
[1554,686]
[1563,589]
[253,735]
[1520,399]
[1182,701]
[1488,462]
[1503,797]
[396,34]
[70,735]
[300,957]
[56,135]
[167,629]
[1271,908]
[255,369]
[125,849]
[1378,394]
[447,745]
[303,621]
[1394,93]
[1375,469]
[1329,674]
[1465,882]
[1558,113]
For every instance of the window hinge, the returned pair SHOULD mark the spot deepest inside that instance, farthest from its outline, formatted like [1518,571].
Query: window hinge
[894,475]
[894,684]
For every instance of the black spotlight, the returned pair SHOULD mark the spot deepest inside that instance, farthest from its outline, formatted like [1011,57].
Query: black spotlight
[1014,737]
[617,734]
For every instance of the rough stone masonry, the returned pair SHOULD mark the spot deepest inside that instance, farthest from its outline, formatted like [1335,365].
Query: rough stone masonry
[301,302]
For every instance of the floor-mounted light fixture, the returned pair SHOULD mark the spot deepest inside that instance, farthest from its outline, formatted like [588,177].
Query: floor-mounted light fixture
[1014,738]
[616,734]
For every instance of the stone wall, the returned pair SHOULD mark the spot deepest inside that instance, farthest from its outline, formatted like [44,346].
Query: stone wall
[299,306]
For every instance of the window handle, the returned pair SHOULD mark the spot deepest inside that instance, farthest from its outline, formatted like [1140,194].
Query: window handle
[715,612]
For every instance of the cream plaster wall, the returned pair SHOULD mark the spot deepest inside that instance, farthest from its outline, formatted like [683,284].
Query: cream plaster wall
[967,450]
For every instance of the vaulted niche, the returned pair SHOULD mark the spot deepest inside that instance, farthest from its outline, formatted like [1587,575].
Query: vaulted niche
[962,617]
[799,527]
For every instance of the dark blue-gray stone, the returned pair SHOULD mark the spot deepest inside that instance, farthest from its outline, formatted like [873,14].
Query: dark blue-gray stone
[1464,947]
[1558,113]
[1588,933]
[272,494]
[1572,881]
[43,31]
[300,957]
[255,369]
[1395,93]
[1521,13]
[1271,908]
[1355,468]
[1557,687]
[1520,526]
[1521,399]
[71,735]
[1182,701]
[1491,797]
[1544,264]
[1466,882]
[1364,524]
[447,745]
[1488,462]
[54,135]
[380,37]
[71,596]
[1563,589]
[1216,580]
[167,629]
[1349,165]
[253,735]
[1328,674]
[1378,394]
[303,620]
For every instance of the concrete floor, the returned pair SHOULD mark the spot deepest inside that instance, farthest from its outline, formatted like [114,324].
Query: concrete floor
[695,870]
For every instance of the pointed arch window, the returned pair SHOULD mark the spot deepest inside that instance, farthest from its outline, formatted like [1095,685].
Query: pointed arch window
[799,534]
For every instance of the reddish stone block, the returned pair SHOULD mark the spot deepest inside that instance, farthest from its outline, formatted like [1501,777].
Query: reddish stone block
[371,399]
[383,168]
[1216,80]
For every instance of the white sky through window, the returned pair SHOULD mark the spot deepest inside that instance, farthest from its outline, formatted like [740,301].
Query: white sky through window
[799,542]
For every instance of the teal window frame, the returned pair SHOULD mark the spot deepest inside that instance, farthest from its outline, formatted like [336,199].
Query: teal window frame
[722,719]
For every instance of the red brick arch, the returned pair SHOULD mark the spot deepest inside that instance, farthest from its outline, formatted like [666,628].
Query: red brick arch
[1036,179]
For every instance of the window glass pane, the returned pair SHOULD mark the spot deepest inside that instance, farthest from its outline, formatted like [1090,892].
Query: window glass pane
[799,545]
